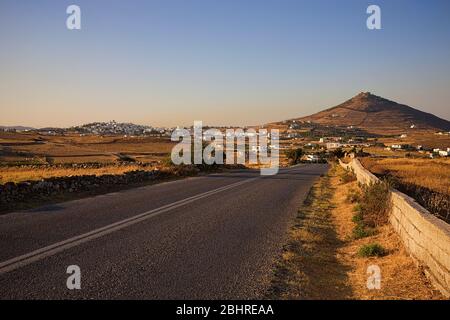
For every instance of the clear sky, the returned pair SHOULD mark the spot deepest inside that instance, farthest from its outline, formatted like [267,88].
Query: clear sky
[226,62]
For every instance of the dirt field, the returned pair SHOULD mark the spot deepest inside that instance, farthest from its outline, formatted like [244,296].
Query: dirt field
[28,148]
[425,139]
[28,156]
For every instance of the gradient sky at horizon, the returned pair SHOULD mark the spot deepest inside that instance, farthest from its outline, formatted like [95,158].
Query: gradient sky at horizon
[233,62]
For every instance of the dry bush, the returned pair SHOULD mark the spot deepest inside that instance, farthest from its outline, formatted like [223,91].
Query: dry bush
[347,176]
[372,250]
[353,196]
[375,203]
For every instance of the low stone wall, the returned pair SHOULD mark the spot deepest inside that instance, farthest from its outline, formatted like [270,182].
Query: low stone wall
[13,193]
[361,173]
[426,237]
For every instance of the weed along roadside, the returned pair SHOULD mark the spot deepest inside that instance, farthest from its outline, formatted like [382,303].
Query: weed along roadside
[341,246]
[308,267]
[424,236]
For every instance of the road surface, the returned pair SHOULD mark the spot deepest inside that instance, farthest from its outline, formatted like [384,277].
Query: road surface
[209,237]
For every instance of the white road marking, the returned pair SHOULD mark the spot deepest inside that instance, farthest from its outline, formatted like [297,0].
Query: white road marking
[36,255]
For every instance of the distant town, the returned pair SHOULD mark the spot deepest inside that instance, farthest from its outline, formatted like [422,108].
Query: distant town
[314,138]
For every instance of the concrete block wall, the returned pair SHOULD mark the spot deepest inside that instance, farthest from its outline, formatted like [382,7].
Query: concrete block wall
[426,237]
[361,173]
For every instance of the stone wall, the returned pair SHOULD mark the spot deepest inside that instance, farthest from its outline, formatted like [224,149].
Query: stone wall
[12,193]
[361,173]
[426,237]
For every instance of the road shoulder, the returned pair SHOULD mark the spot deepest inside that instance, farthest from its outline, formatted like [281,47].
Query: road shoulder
[321,259]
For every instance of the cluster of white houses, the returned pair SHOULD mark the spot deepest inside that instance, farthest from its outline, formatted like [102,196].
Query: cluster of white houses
[442,153]
[432,153]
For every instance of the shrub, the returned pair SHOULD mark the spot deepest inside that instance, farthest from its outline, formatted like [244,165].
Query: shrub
[348,176]
[125,158]
[203,166]
[294,155]
[167,162]
[375,203]
[357,208]
[361,231]
[358,218]
[372,250]
[338,153]
[353,196]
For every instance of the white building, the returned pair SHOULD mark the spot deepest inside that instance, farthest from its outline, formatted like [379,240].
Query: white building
[333,145]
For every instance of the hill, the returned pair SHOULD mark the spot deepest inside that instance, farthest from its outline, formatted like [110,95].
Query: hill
[18,128]
[377,115]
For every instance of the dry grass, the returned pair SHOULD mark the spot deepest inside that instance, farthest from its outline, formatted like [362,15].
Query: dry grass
[378,151]
[309,267]
[426,139]
[401,279]
[33,151]
[19,174]
[425,180]
[433,174]
[321,260]
[30,156]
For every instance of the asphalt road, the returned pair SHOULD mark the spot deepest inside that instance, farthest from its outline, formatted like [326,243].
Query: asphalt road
[209,237]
